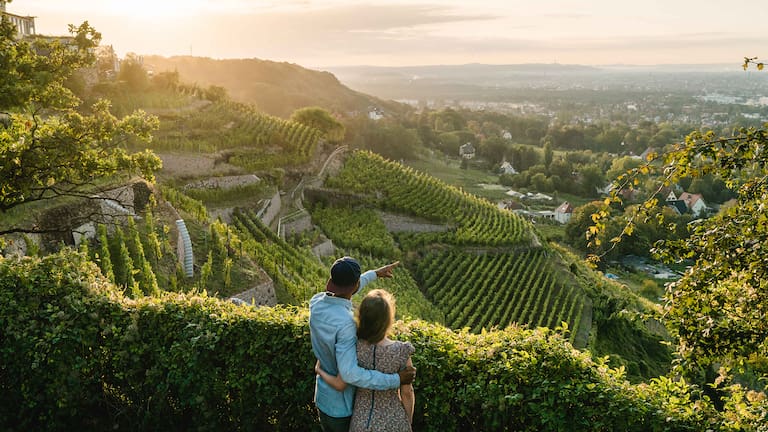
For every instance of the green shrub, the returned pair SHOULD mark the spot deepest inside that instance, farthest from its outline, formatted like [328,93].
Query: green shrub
[75,354]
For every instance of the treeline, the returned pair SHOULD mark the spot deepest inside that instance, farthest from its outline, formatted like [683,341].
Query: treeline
[494,134]
[546,155]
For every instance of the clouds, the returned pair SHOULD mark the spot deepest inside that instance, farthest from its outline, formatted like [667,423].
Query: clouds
[380,17]
[324,35]
[398,32]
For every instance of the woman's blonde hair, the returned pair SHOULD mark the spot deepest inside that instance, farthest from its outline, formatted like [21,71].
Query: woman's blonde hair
[375,316]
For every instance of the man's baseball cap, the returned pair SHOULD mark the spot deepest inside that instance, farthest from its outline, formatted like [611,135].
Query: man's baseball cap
[345,273]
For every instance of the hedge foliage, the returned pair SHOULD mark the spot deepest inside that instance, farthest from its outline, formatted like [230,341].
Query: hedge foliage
[76,354]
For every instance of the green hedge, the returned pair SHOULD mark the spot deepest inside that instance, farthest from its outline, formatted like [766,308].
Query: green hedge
[75,354]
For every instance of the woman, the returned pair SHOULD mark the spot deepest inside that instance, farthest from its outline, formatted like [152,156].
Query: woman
[387,410]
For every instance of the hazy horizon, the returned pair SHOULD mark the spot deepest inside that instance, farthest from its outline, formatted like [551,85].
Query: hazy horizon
[337,33]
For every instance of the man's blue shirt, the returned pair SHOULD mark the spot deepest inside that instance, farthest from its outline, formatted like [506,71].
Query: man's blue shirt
[334,341]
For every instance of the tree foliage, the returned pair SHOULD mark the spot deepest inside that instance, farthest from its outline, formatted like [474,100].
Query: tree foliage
[48,147]
[133,73]
[320,119]
[752,61]
[717,308]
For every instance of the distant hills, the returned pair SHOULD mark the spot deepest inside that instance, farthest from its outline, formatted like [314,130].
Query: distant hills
[277,88]
[505,82]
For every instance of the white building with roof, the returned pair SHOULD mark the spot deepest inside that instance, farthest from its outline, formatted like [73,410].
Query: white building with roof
[25,25]
[564,212]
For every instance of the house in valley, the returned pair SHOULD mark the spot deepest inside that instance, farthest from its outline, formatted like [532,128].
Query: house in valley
[507,168]
[687,202]
[694,202]
[467,151]
[564,212]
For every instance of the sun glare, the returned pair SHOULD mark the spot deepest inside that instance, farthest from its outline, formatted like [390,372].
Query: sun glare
[157,9]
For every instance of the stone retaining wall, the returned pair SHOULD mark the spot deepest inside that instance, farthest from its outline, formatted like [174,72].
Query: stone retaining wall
[272,209]
[225,182]
[260,295]
[402,223]
[300,224]
[314,195]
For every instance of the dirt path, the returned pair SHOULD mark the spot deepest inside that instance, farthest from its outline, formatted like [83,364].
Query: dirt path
[192,166]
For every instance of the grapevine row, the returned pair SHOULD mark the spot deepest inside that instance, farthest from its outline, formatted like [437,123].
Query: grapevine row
[296,270]
[473,220]
[486,290]
[256,136]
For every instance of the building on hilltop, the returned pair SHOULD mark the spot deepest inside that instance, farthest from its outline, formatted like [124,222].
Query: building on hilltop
[25,25]
[107,62]
[25,29]
[375,113]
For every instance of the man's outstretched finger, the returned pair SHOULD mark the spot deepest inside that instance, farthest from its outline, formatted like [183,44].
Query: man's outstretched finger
[386,271]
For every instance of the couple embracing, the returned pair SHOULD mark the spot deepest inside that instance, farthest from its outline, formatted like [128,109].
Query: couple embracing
[363,378]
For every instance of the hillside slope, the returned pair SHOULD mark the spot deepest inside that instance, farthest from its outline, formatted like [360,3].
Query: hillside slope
[275,88]
[487,269]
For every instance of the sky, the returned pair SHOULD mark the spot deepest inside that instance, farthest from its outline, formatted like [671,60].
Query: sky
[330,33]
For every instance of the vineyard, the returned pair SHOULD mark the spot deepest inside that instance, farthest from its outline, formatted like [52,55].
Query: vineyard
[393,186]
[303,275]
[410,301]
[295,269]
[139,258]
[254,140]
[482,291]
[359,229]
[486,271]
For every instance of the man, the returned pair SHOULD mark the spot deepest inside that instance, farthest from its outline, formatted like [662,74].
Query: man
[334,341]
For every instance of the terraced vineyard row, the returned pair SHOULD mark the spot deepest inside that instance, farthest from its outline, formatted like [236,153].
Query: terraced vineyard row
[259,140]
[359,229]
[473,220]
[410,301]
[494,290]
[122,258]
[264,129]
[297,270]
